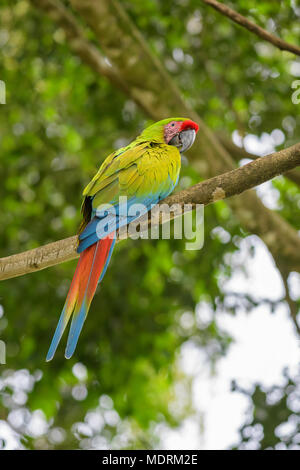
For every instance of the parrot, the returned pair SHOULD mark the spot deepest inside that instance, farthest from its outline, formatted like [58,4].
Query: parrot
[145,171]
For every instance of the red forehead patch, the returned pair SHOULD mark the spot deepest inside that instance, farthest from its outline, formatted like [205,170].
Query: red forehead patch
[189,125]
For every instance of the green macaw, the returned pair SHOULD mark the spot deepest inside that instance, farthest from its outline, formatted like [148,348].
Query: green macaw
[144,172]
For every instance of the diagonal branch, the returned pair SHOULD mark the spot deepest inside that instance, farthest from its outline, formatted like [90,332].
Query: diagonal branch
[252,27]
[81,46]
[223,186]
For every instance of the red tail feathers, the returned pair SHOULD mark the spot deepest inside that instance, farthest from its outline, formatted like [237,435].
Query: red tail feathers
[90,270]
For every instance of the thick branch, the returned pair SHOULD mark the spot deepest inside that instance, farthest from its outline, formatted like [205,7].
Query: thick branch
[223,186]
[252,27]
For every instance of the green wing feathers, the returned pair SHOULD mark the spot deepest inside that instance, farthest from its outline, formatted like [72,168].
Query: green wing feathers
[137,170]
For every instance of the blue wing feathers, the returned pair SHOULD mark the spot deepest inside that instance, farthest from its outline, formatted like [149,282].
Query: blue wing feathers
[102,225]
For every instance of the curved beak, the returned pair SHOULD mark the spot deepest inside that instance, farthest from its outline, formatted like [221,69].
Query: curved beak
[183,140]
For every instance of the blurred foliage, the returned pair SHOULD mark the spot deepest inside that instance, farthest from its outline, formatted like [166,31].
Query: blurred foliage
[273,418]
[59,123]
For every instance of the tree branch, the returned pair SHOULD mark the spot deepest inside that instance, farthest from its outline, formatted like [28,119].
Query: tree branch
[252,27]
[238,153]
[223,186]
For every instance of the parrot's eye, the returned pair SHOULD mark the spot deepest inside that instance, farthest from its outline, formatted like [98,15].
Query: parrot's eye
[173,124]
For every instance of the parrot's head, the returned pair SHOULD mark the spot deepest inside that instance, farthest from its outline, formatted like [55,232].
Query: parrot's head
[180,132]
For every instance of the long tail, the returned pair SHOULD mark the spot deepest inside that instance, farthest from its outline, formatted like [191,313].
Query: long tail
[89,272]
